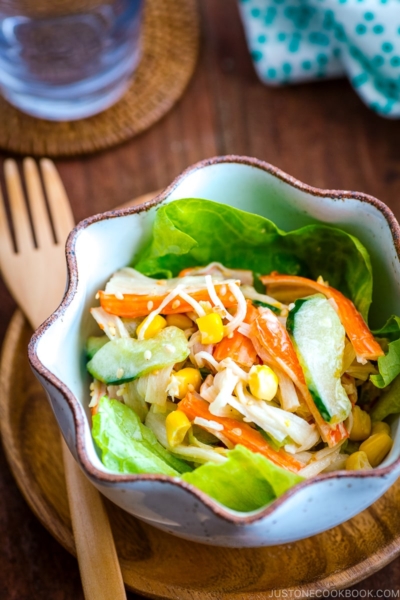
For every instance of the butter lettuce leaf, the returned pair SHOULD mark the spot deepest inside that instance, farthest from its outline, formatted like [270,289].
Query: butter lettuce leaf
[128,446]
[388,365]
[388,403]
[194,232]
[246,481]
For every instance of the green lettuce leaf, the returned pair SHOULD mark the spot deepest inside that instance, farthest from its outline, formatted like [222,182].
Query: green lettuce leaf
[388,403]
[127,445]
[388,365]
[246,481]
[193,232]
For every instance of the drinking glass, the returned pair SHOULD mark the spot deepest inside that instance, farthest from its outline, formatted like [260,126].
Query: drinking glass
[68,59]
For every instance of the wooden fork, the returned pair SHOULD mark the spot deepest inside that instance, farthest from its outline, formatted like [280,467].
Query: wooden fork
[35,275]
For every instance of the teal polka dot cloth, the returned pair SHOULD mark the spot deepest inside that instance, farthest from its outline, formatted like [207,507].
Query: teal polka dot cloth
[292,41]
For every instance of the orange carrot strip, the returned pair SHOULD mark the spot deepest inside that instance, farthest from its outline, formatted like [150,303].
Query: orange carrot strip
[363,341]
[239,348]
[133,305]
[238,432]
[274,346]
[251,314]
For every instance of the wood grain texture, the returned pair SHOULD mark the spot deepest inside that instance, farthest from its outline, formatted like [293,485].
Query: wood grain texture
[36,279]
[157,564]
[319,132]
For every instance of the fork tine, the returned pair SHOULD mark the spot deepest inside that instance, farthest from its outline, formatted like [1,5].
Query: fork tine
[41,222]
[6,243]
[60,208]
[21,223]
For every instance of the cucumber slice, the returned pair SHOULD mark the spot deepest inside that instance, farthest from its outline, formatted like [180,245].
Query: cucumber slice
[319,338]
[274,309]
[126,359]
[94,344]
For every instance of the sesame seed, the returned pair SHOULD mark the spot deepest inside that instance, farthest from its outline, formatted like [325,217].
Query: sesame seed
[119,296]
[170,348]
[97,296]
[120,373]
[92,386]
[223,290]
[231,299]
[176,303]
[150,305]
[230,336]
[113,331]
[147,355]
[250,402]
[120,392]
[191,387]
[237,431]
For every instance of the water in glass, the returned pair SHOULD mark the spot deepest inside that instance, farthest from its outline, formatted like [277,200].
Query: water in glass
[67,60]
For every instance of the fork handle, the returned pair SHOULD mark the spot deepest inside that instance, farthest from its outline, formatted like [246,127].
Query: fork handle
[93,536]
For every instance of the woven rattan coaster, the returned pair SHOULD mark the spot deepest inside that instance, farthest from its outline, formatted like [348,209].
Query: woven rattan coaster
[170,48]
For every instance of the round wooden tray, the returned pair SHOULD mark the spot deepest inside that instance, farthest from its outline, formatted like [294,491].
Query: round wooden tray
[161,566]
[171,34]
[156,564]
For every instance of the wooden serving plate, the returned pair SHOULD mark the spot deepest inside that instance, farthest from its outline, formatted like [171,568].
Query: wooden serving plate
[157,564]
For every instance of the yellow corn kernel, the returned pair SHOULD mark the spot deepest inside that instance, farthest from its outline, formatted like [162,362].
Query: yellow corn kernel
[156,325]
[188,380]
[361,425]
[211,328]
[263,382]
[377,447]
[357,461]
[380,427]
[177,425]
[181,321]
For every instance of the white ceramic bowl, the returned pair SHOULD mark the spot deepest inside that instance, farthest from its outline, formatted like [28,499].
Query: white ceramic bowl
[102,244]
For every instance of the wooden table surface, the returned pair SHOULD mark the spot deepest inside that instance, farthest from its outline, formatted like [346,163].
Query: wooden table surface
[320,132]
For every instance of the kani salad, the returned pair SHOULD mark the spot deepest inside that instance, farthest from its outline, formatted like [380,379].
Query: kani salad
[238,357]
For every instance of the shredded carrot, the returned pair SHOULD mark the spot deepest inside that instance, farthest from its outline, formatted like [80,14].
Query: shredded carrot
[238,432]
[133,305]
[238,347]
[251,314]
[364,344]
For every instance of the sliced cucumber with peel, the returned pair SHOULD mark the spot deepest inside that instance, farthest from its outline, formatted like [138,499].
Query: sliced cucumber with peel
[126,359]
[319,339]
[94,344]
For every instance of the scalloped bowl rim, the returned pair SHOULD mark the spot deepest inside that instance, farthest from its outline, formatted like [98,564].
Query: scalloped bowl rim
[104,478]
